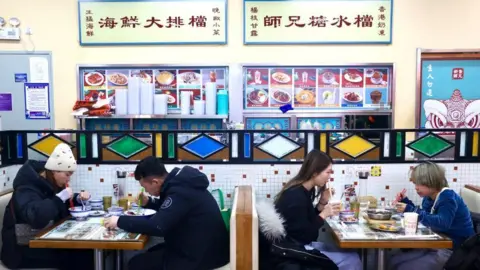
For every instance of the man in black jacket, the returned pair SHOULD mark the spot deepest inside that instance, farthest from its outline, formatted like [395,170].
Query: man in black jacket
[188,218]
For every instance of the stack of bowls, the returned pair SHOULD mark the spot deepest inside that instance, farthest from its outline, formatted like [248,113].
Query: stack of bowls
[115,211]
[97,204]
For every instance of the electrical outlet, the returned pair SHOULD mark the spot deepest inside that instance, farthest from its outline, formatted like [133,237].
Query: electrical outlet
[28,31]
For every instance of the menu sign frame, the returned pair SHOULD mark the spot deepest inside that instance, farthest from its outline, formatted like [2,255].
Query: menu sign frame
[168,79]
[152,22]
[325,88]
[447,95]
[317,22]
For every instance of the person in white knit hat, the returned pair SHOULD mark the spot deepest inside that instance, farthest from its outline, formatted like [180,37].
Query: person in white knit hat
[40,198]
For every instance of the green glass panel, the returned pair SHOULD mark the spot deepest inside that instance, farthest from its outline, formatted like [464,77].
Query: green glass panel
[171,145]
[127,146]
[398,145]
[430,145]
[83,146]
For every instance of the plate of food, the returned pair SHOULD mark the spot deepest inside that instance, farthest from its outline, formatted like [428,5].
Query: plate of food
[146,78]
[328,77]
[385,228]
[94,78]
[377,77]
[349,220]
[258,96]
[305,96]
[165,78]
[118,78]
[352,76]
[140,212]
[97,213]
[281,77]
[281,96]
[352,97]
[190,78]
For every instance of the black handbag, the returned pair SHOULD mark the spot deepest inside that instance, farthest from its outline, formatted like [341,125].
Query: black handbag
[294,252]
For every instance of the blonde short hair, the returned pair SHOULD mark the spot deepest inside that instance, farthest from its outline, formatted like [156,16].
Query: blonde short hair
[430,175]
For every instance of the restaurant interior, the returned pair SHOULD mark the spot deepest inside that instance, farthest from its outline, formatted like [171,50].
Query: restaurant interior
[243,101]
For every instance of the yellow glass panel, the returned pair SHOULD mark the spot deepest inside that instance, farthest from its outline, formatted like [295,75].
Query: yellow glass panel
[323,142]
[46,145]
[354,146]
[475,144]
[158,145]
[106,139]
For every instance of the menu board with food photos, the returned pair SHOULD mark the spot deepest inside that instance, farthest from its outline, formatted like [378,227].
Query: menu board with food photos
[318,87]
[101,83]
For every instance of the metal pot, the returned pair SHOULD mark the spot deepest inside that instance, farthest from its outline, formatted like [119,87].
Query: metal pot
[379,214]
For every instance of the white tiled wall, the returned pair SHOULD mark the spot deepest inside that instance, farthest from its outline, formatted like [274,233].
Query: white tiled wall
[266,179]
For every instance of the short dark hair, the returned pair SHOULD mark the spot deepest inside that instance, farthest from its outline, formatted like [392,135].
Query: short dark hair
[148,167]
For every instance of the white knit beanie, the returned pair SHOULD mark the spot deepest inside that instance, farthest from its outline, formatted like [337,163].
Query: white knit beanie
[61,159]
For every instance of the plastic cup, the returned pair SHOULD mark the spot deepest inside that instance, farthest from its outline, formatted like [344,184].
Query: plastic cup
[411,221]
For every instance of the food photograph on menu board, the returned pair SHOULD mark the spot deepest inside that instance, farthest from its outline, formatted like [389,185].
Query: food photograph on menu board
[309,87]
[352,88]
[449,95]
[280,87]
[98,84]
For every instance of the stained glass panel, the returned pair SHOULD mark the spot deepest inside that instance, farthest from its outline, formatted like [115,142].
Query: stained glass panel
[278,146]
[430,145]
[203,146]
[127,146]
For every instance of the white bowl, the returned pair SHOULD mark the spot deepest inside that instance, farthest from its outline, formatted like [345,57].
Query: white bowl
[115,211]
[79,213]
[96,203]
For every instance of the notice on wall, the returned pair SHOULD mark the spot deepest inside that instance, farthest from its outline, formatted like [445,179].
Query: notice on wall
[21,77]
[6,102]
[39,70]
[37,102]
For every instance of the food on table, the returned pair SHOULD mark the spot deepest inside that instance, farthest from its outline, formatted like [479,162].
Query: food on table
[377,77]
[118,79]
[94,78]
[165,78]
[132,213]
[352,97]
[258,96]
[349,219]
[281,77]
[189,77]
[281,96]
[387,227]
[376,96]
[305,97]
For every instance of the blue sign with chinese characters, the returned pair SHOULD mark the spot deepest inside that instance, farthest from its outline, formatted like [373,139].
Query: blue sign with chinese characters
[449,94]
[21,77]
[37,101]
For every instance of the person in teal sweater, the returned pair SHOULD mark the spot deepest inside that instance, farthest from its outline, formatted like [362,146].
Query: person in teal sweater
[442,210]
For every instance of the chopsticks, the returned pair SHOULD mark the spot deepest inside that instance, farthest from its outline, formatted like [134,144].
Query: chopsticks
[71,199]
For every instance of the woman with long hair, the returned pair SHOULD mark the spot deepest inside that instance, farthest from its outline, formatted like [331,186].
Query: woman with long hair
[302,220]
[41,198]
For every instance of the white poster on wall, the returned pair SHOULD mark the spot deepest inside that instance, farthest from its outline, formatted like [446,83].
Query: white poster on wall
[37,102]
[39,70]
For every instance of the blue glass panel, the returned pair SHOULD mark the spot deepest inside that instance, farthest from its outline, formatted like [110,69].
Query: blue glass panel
[203,146]
[107,124]
[268,123]
[202,124]
[155,124]
[246,145]
[322,123]
[19,146]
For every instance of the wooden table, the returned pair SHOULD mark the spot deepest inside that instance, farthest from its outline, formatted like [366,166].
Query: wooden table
[97,245]
[346,238]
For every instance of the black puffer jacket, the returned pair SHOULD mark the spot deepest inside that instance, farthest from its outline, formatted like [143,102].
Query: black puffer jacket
[34,203]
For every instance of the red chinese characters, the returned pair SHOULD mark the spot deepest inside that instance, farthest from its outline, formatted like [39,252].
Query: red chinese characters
[381,18]
[176,22]
[320,21]
[364,21]
[295,20]
[216,21]
[254,22]
[107,23]
[341,21]
[458,73]
[153,21]
[198,21]
[272,21]
[130,21]
[89,25]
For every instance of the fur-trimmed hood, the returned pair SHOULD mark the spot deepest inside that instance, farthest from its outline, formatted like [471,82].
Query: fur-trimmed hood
[271,222]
